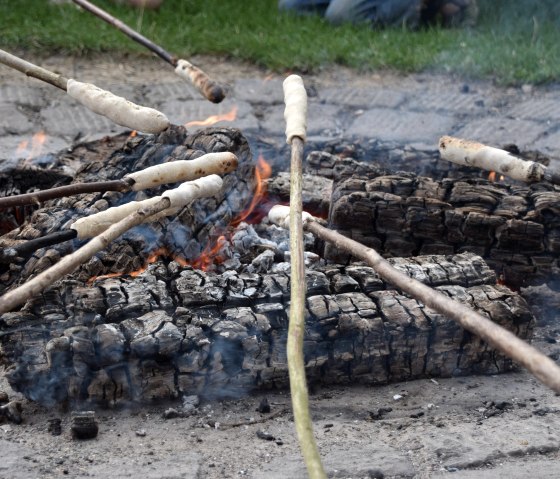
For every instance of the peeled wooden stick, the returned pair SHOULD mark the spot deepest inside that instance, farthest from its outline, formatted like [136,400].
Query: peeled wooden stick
[172,199]
[541,366]
[295,114]
[208,87]
[171,172]
[471,153]
[116,108]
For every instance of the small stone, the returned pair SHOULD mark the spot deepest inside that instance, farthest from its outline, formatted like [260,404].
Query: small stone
[265,435]
[141,433]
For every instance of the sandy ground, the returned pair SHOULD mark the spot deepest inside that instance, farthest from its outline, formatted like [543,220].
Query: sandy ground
[475,427]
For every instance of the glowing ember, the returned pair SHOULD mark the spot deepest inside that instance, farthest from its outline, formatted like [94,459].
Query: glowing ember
[133,134]
[211,120]
[210,255]
[154,256]
[492,176]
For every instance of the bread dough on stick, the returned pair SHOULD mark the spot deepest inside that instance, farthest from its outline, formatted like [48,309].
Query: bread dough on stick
[117,108]
[183,170]
[179,197]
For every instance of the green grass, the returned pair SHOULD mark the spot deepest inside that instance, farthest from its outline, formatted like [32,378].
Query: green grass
[515,41]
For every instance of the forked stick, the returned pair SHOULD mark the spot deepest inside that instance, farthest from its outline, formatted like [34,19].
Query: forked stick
[208,87]
[172,199]
[295,98]
[541,366]
[103,102]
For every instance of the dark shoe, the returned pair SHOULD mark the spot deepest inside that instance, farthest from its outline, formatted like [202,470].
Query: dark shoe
[450,13]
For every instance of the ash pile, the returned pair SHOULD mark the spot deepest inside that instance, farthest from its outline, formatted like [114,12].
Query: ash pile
[208,315]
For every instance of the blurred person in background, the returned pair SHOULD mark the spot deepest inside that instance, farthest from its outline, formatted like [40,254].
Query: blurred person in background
[381,13]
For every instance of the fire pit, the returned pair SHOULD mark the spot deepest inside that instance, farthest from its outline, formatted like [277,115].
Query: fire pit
[207,313]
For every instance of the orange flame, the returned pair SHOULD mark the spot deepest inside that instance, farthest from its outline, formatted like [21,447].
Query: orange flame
[211,120]
[133,134]
[211,253]
[263,171]
[37,142]
[492,176]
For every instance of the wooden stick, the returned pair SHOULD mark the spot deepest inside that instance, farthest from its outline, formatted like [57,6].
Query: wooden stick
[177,198]
[32,70]
[38,197]
[151,177]
[117,109]
[295,99]
[471,153]
[209,88]
[541,366]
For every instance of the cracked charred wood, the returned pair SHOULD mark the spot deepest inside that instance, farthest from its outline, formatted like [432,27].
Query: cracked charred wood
[516,229]
[175,330]
[184,235]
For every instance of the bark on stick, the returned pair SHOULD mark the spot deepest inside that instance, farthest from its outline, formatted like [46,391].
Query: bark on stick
[295,114]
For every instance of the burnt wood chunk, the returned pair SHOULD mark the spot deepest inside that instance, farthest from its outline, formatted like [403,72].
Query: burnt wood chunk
[184,235]
[225,335]
[515,228]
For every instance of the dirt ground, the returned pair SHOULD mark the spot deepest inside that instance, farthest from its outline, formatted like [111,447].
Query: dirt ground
[473,427]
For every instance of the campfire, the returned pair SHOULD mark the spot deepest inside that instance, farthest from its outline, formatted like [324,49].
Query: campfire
[196,301]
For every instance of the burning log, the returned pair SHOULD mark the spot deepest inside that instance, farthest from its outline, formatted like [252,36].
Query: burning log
[542,367]
[186,70]
[116,221]
[515,228]
[184,236]
[176,330]
[471,153]
[116,108]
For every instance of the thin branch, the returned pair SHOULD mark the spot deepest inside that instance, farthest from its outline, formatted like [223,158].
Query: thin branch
[541,366]
[32,70]
[70,263]
[211,90]
[295,113]
[170,172]
[38,197]
[133,34]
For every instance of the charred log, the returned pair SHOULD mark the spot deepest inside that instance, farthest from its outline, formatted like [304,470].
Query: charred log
[176,330]
[515,228]
[184,235]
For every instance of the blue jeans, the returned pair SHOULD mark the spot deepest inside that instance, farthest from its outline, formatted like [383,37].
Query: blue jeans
[376,12]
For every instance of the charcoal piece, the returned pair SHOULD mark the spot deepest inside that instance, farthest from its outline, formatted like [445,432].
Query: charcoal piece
[84,425]
[215,347]
[515,228]
[55,426]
